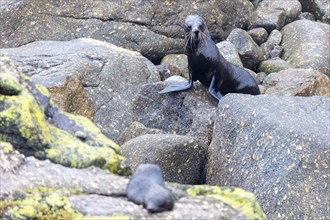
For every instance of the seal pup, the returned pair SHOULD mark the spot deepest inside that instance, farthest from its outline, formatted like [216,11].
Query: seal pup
[147,187]
[206,64]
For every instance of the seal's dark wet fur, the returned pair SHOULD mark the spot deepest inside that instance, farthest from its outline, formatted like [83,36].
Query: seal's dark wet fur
[147,187]
[206,64]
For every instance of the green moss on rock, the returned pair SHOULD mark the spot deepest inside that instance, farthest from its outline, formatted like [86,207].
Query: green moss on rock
[239,199]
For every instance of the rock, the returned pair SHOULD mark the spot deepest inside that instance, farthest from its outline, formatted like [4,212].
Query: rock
[40,189]
[318,8]
[10,158]
[297,82]
[249,52]
[136,129]
[181,158]
[326,18]
[152,28]
[184,113]
[306,16]
[179,61]
[273,65]
[259,35]
[111,75]
[35,126]
[274,14]
[229,52]
[275,147]
[72,97]
[271,47]
[261,76]
[306,45]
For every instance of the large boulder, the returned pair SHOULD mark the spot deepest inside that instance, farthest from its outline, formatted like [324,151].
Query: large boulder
[248,50]
[185,113]
[306,45]
[35,189]
[31,121]
[319,8]
[274,14]
[111,75]
[297,82]
[153,28]
[181,158]
[276,147]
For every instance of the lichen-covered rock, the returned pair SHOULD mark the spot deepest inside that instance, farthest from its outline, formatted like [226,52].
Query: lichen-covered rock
[274,14]
[38,205]
[306,45]
[297,82]
[236,197]
[9,157]
[273,65]
[35,126]
[276,147]
[181,158]
[111,76]
[249,52]
[40,189]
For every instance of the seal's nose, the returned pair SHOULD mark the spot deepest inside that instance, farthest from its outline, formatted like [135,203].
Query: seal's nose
[196,32]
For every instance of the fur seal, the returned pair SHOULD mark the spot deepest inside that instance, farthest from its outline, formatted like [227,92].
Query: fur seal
[147,187]
[206,64]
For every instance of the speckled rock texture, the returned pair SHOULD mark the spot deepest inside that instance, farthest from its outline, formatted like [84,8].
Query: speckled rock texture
[319,8]
[35,126]
[278,148]
[273,65]
[181,158]
[229,52]
[71,97]
[306,45]
[274,14]
[111,75]
[185,113]
[153,28]
[297,82]
[249,52]
[35,189]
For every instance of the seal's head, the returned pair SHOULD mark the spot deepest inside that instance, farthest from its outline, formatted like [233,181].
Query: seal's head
[195,31]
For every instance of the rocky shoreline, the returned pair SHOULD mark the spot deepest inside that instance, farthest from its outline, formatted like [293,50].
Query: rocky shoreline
[78,77]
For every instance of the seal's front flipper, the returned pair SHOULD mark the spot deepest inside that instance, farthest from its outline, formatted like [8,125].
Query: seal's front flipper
[213,92]
[176,87]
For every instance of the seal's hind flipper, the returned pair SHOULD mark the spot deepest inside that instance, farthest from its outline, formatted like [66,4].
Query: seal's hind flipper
[176,87]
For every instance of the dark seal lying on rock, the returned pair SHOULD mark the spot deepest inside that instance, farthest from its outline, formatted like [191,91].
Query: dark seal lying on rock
[147,187]
[206,64]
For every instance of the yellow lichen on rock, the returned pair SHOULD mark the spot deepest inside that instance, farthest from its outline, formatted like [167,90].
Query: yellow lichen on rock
[244,202]
[36,205]
[32,123]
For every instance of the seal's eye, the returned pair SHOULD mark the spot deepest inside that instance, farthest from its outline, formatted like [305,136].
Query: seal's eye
[188,27]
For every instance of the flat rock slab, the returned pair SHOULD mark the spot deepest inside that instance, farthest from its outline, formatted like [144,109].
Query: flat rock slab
[278,148]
